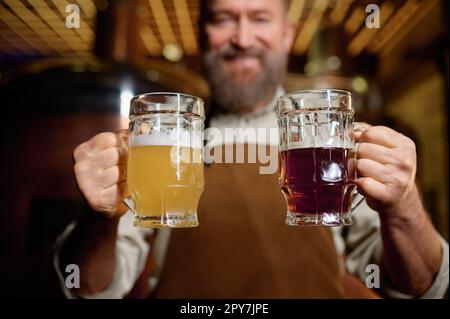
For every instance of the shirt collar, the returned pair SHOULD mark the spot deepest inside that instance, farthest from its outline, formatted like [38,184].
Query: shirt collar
[271,106]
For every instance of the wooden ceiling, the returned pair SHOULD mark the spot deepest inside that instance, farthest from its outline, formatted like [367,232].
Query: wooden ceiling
[37,27]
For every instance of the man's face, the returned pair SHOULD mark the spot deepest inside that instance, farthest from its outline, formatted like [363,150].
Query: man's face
[248,43]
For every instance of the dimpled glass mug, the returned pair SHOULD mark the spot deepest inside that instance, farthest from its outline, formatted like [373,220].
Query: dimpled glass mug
[317,154]
[165,159]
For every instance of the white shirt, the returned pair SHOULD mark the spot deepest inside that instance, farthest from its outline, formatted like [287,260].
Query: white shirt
[361,242]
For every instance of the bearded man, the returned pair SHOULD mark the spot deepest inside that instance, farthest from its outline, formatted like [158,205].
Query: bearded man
[241,249]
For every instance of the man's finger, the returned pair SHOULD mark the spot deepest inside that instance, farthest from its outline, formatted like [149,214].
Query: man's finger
[102,142]
[118,192]
[111,157]
[381,135]
[112,176]
[378,153]
[373,169]
[373,189]
[361,126]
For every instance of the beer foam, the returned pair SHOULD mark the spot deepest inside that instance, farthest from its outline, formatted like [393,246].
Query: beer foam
[313,142]
[168,138]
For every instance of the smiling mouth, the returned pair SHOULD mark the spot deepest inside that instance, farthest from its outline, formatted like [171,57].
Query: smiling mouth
[243,60]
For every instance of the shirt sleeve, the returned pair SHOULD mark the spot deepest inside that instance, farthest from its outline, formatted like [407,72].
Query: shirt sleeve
[131,254]
[364,246]
[439,287]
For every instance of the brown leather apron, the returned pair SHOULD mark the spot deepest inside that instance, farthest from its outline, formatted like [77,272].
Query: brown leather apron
[243,249]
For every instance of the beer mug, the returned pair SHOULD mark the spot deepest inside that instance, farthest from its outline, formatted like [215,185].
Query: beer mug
[165,159]
[317,154]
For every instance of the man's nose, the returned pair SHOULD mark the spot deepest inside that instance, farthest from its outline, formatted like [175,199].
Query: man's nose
[244,37]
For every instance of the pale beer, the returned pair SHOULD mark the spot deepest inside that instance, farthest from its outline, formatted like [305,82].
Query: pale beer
[164,186]
[165,159]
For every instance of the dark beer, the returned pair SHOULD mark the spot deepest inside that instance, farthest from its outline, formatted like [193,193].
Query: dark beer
[317,181]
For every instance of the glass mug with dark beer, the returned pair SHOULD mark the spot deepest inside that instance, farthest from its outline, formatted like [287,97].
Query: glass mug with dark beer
[317,155]
[165,159]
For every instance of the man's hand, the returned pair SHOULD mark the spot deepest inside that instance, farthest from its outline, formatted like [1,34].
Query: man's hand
[100,171]
[386,165]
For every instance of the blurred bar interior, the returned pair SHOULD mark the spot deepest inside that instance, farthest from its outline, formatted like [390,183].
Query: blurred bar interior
[60,86]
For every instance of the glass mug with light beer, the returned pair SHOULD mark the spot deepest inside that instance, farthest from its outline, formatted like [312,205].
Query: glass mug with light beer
[165,159]
[317,154]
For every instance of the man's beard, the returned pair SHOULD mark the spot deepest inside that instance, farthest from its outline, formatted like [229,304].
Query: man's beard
[233,96]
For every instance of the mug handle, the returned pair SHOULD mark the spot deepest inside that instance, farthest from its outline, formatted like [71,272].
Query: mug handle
[357,198]
[128,201]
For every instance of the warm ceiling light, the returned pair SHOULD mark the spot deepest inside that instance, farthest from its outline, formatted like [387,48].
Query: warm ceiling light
[333,63]
[295,11]
[85,32]
[148,38]
[19,28]
[34,23]
[185,25]
[359,84]
[310,26]
[162,21]
[362,39]
[394,24]
[311,68]
[173,53]
[88,8]
[414,16]
[143,12]
[340,10]
[57,24]
[150,41]
[354,22]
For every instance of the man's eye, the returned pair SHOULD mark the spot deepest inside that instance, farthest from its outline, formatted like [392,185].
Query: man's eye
[261,19]
[222,20]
